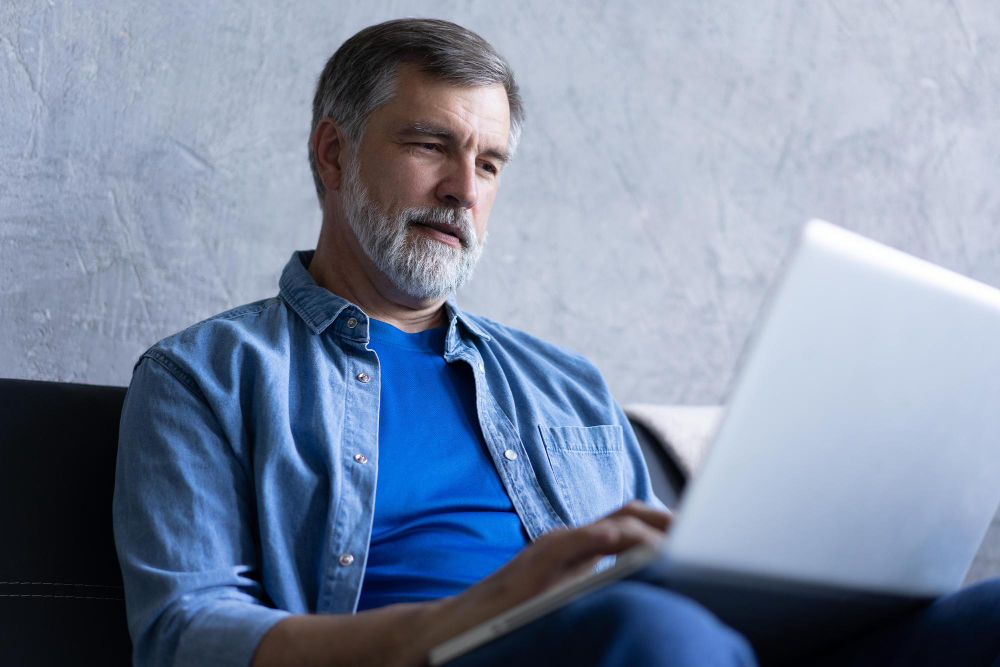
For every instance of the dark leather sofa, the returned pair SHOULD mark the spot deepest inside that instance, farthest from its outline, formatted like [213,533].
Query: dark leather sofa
[61,598]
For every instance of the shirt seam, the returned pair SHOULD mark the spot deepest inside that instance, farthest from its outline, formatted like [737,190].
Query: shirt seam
[181,376]
[512,332]
[175,370]
[229,315]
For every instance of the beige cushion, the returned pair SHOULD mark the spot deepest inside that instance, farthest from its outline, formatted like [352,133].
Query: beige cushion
[684,430]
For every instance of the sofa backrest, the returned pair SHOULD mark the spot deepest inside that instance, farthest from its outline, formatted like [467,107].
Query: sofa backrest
[61,599]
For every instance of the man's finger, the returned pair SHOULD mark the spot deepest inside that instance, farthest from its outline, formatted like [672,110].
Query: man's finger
[565,548]
[610,535]
[632,530]
[651,515]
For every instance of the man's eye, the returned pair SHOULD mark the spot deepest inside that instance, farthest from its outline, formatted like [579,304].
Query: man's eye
[429,147]
[490,168]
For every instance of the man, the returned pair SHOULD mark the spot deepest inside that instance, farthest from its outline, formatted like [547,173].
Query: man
[356,470]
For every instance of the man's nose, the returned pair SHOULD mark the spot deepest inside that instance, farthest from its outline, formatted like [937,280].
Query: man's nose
[459,187]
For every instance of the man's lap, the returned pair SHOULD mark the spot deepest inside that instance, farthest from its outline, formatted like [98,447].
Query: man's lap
[626,623]
[634,623]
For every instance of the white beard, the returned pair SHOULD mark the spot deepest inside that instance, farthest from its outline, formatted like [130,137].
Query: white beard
[417,265]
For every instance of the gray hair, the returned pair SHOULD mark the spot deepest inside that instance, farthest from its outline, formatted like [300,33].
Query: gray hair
[361,76]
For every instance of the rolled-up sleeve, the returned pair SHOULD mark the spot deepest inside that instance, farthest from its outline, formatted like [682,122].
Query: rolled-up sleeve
[184,523]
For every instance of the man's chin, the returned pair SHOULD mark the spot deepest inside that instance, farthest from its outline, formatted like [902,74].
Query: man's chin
[424,282]
[427,269]
[423,292]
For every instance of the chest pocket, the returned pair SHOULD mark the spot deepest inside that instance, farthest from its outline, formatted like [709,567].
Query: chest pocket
[587,465]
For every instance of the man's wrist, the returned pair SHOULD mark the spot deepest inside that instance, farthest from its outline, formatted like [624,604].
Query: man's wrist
[451,616]
[435,622]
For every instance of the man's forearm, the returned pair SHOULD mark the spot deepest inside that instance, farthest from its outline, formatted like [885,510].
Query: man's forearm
[399,635]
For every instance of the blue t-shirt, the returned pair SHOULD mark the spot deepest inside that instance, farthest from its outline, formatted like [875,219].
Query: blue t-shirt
[442,519]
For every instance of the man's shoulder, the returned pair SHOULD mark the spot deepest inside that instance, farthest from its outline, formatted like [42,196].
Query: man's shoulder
[260,324]
[526,347]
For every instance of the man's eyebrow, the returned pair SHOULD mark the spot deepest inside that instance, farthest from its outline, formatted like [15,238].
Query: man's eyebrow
[425,129]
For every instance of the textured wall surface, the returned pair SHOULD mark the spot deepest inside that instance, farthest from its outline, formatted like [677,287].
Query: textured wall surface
[153,167]
[153,170]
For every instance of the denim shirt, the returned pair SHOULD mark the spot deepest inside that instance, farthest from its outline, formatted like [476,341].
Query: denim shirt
[245,481]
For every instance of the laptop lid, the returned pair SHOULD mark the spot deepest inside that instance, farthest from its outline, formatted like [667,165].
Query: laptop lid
[861,443]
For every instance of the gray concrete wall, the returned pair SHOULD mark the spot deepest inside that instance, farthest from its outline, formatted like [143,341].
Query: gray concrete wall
[153,167]
[153,171]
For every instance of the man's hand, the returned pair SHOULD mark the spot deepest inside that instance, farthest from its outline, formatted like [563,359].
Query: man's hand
[403,634]
[556,557]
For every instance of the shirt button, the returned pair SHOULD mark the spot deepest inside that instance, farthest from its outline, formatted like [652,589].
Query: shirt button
[481,369]
[361,458]
[351,323]
[345,559]
[363,377]
[510,455]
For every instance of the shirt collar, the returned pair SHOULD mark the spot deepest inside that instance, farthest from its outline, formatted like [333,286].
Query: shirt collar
[319,307]
[456,314]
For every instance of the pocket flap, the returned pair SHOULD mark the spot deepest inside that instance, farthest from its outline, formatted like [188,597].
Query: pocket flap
[605,438]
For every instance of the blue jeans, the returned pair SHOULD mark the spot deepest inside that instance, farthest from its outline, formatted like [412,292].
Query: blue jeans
[636,624]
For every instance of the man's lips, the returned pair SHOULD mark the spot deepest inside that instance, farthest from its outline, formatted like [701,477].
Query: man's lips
[442,231]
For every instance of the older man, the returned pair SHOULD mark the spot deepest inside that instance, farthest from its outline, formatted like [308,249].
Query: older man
[358,443]
[356,470]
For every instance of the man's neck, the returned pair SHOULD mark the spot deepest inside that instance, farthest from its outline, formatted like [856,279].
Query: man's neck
[345,270]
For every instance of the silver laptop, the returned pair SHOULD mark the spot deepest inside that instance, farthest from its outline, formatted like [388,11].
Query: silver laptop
[855,471]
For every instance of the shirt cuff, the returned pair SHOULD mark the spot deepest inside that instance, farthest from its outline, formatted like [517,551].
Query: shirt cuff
[226,633]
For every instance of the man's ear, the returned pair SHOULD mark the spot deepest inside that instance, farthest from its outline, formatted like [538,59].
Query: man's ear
[329,144]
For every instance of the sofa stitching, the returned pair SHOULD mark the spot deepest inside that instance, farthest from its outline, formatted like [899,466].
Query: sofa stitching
[55,583]
[37,595]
